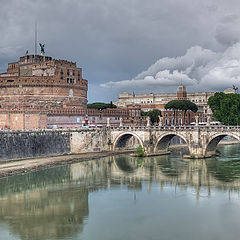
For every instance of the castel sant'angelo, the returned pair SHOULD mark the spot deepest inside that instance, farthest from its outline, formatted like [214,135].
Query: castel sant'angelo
[39,92]
[36,85]
[36,81]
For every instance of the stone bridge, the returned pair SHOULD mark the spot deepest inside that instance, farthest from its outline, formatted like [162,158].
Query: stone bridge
[201,141]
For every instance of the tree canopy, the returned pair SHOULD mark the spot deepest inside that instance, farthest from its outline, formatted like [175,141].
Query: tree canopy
[225,108]
[101,106]
[153,114]
[183,105]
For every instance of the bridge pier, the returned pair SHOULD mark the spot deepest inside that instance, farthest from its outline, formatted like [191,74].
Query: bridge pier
[196,151]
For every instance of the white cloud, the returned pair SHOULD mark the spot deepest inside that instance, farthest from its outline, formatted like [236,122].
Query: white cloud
[200,69]
[162,78]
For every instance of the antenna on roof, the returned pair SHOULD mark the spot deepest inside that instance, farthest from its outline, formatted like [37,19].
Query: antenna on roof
[35,52]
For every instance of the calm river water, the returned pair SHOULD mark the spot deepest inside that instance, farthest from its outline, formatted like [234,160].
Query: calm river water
[124,198]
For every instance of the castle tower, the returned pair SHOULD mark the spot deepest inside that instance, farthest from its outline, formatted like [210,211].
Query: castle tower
[181,92]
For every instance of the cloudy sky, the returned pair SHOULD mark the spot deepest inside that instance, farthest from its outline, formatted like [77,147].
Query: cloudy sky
[131,45]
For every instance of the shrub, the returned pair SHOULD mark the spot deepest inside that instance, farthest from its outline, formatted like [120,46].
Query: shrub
[140,151]
[192,156]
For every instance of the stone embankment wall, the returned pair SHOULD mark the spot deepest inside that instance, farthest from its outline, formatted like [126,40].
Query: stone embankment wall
[25,144]
[14,145]
[89,141]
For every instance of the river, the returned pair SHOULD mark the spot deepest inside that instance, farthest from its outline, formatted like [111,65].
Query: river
[120,197]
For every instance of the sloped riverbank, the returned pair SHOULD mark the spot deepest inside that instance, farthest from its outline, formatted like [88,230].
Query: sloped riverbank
[19,166]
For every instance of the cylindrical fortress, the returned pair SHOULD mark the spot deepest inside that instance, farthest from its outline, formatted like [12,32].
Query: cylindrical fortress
[43,83]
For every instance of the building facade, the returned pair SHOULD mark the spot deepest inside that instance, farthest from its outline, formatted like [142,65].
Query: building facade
[152,101]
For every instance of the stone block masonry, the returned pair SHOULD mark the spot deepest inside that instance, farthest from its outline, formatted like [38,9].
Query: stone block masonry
[20,144]
[37,143]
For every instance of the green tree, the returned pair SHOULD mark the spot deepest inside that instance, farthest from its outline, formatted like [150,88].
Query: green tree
[101,106]
[153,114]
[182,105]
[225,108]
[140,151]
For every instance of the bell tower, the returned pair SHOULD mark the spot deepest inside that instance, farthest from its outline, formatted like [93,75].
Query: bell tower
[181,92]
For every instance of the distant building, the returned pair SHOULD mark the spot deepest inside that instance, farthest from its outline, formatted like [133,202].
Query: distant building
[158,101]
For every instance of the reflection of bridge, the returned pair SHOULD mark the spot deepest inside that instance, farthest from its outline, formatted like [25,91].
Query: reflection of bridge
[201,140]
[122,169]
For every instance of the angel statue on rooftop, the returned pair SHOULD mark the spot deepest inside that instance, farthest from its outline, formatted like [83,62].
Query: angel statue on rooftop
[42,48]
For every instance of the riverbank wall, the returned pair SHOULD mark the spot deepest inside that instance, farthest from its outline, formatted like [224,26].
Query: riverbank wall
[14,145]
[47,143]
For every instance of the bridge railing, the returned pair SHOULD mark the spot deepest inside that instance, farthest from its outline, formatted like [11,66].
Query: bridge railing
[165,128]
[219,128]
[178,128]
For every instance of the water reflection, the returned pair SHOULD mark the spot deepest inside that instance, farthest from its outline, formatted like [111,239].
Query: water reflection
[43,205]
[54,203]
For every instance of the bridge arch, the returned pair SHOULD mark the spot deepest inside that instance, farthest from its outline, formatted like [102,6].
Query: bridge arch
[163,141]
[214,140]
[122,139]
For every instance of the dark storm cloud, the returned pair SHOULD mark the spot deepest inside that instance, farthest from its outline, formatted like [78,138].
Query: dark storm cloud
[115,40]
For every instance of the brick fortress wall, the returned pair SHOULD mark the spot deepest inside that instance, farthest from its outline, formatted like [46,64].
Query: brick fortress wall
[41,82]
[35,85]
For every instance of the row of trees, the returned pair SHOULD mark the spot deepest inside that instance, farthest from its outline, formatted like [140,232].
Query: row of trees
[225,108]
[101,106]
